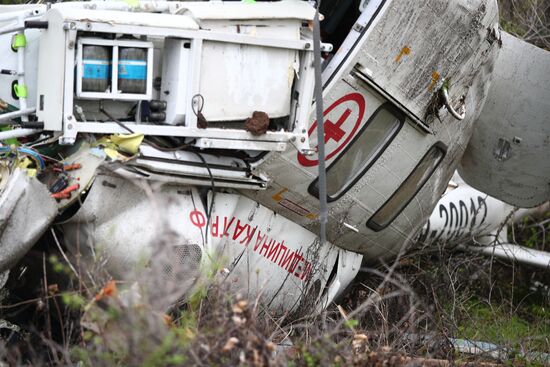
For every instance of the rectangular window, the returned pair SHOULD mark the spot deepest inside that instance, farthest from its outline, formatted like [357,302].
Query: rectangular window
[361,153]
[408,189]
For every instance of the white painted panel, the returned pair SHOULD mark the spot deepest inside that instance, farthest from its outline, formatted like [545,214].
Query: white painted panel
[237,80]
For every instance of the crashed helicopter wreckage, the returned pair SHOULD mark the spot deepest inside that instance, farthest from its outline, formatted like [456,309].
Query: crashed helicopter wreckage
[176,134]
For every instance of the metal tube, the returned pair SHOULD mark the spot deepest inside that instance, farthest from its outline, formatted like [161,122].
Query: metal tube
[11,28]
[6,117]
[476,347]
[456,115]
[7,16]
[141,6]
[513,252]
[21,72]
[17,133]
[323,210]
[18,19]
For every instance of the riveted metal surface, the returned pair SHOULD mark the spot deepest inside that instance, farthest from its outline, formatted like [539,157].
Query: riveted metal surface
[507,156]
[457,49]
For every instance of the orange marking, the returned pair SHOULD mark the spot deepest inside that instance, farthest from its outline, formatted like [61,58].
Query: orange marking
[404,51]
[72,167]
[435,79]
[65,193]
[279,196]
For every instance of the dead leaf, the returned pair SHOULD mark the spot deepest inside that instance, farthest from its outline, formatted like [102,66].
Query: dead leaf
[230,344]
[53,289]
[109,290]
[240,306]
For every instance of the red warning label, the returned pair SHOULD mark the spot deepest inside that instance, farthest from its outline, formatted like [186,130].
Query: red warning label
[342,119]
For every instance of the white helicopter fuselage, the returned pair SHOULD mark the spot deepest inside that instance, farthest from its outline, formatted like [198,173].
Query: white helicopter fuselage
[401,96]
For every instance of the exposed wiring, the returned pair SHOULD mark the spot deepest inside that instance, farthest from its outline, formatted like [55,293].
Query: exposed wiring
[166,149]
[198,104]
[122,125]
[41,141]
[213,187]
[29,152]
[34,154]
[195,208]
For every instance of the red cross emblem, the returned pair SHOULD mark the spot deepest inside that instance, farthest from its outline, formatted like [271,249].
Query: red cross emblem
[348,112]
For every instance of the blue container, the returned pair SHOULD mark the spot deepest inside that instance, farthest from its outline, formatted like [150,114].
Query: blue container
[132,70]
[96,68]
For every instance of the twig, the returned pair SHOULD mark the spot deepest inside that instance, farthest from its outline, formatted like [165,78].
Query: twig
[62,252]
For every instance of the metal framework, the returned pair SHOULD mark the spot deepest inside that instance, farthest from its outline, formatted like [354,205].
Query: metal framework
[295,134]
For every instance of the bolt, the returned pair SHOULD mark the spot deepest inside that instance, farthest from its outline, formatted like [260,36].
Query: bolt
[70,126]
[307,46]
[303,140]
[71,45]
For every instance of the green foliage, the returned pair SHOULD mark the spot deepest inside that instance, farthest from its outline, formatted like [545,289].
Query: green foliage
[163,355]
[493,325]
[511,27]
[527,19]
[58,266]
[81,354]
[309,359]
[73,301]
[352,323]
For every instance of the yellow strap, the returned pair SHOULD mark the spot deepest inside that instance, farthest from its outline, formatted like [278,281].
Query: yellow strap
[18,40]
[20,90]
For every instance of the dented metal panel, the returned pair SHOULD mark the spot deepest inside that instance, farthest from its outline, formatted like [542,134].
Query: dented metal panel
[127,222]
[26,212]
[507,156]
[410,67]
[134,227]
[293,9]
[462,53]
[127,18]
[272,257]
[250,78]
[289,9]
[463,214]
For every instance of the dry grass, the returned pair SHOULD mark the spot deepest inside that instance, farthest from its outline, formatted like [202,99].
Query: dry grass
[403,314]
[528,20]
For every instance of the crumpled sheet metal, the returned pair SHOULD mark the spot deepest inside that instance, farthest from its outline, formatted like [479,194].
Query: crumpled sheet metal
[140,230]
[26,211]
[453,46]
[507,156]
